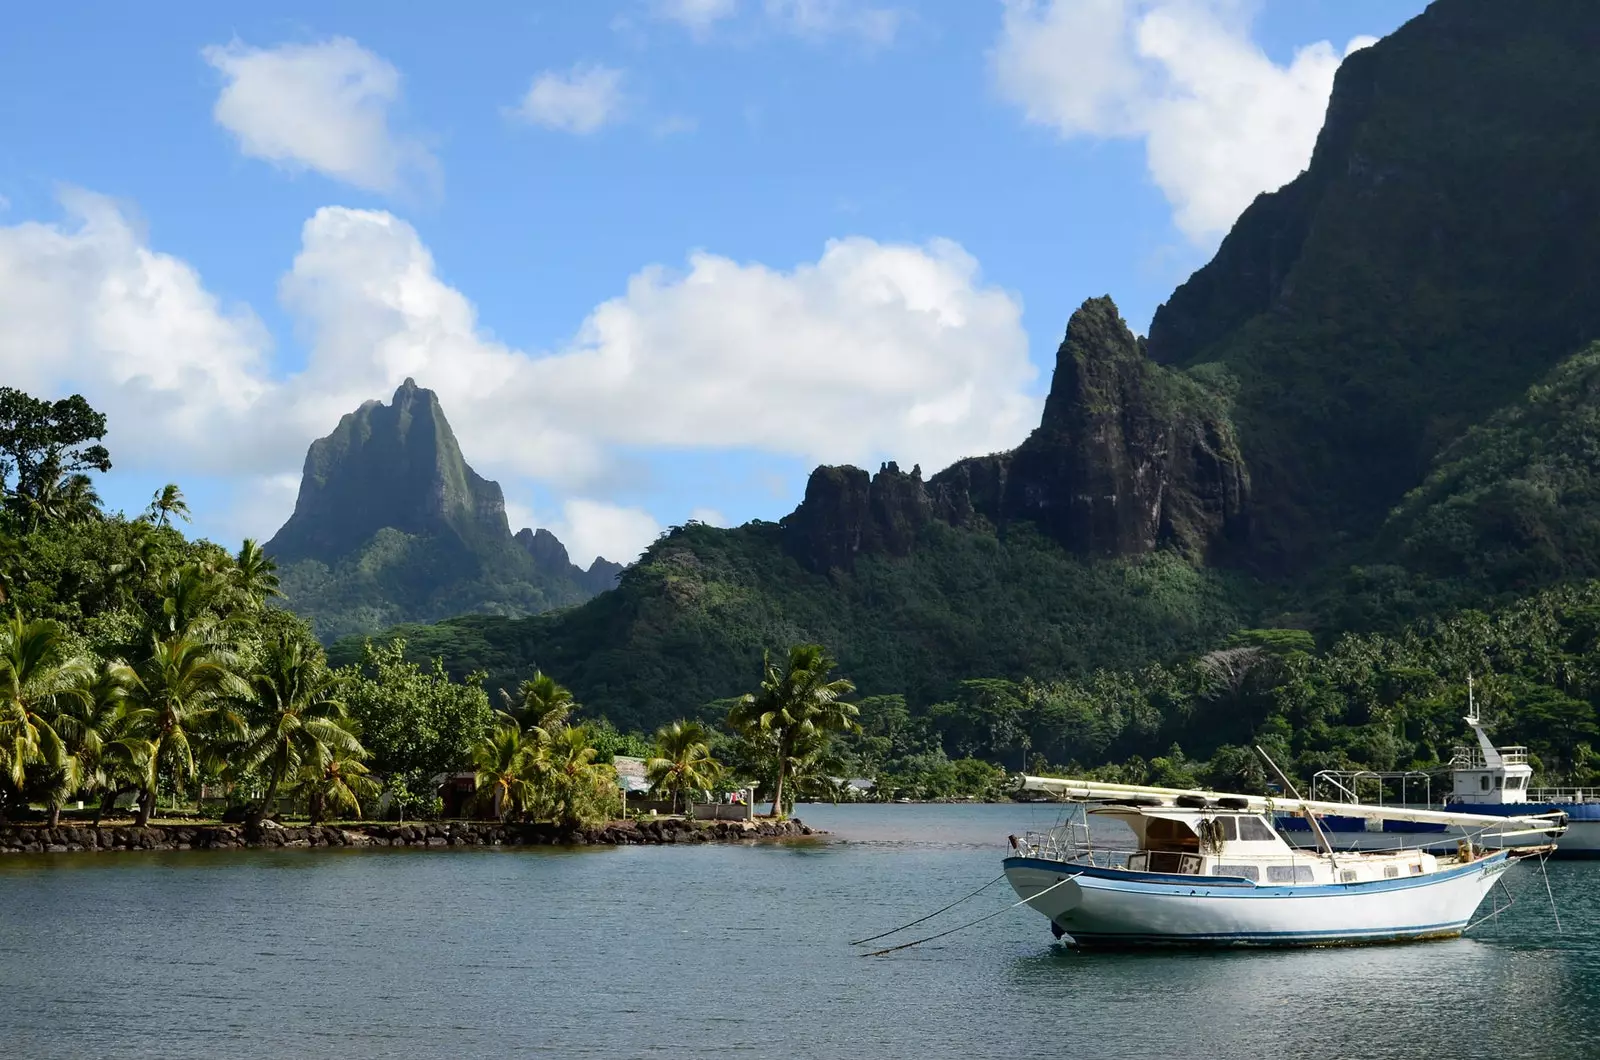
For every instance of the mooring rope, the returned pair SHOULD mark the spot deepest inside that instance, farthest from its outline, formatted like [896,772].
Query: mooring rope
[1549,893]
[973,923]
[930,916]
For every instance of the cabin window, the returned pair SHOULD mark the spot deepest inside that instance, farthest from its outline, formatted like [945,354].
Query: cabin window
[1162,833]
[1483,782]
[1499,782]
[1227,828]
[1391,871]
[1515,782]
[1287,873]
[1347,875]
[1249,872]
[1254,830]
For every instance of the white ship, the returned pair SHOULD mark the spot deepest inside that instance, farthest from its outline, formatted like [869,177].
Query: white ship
[1209,869]
[1488,783]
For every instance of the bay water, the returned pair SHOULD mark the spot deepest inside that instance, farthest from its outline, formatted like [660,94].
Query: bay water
[725,951]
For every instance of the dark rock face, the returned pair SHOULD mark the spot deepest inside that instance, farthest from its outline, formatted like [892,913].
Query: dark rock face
[1436,258]
[394,466]
[392,525]
[1128,457]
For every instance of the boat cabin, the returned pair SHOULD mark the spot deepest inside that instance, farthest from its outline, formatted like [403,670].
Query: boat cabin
[1241,844]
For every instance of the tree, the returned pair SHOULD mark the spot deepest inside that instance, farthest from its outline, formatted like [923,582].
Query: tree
[42,441]
[300,720]
[795,702]
[577,789]
[96,728]
[683,761]
[254,574]
[37,667]
[416,724]
[541,701]
[185,695]
[506,764]
[339,783]
[168,503]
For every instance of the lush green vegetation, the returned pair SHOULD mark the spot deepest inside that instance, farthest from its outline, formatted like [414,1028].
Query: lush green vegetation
[693,618]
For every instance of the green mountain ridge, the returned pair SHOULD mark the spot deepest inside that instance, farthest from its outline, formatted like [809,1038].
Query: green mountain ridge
[392,525]
[1368,409]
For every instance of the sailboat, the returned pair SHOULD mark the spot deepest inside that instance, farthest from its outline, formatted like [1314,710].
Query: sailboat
[1210,869]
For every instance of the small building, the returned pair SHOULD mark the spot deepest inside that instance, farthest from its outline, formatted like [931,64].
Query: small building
[630,775]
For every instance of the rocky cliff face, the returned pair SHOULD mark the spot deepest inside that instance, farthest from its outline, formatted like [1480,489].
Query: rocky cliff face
[1127,458]
[395,466]
[392,525]
[1438,255]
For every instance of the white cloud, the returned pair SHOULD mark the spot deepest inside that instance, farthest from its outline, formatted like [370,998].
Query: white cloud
[698,15]
[873,351]
[322,106]
[592,528]
[709,516]
[805,18]
[1221,121]
[579,100]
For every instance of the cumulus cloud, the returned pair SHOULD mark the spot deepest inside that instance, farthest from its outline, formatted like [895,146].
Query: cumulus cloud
[591,528]
[322,106]
[873,351]
[579,100]
[698,15]
[1220,120]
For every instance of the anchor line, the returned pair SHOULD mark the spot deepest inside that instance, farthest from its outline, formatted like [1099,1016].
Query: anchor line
[1511,900]
[1549,893]
[974,923]
[930,916]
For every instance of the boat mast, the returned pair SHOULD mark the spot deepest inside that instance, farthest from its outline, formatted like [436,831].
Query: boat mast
[1316,826]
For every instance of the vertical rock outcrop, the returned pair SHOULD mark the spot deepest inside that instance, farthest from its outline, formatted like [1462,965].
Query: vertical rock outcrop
[1128,457]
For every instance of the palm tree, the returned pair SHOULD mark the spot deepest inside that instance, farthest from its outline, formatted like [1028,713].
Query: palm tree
[507,763]
[541,702]
[340,783]
[578,787]
[254,573]
[190,596]
[167,503]
[301,720]
[95,725]
[37,667]
[683,760]
[185,693]
[794,704]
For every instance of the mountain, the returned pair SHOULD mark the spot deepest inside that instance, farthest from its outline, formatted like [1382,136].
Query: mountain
[1078,549]
[391,525]
[1437,256]
[1374,404]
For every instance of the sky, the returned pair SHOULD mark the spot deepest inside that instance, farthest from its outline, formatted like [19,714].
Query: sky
[659,258]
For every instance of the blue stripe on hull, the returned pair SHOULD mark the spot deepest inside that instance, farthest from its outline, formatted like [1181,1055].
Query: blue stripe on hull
[1274,938]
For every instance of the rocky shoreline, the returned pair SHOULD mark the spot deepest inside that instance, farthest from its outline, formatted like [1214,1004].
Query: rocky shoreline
[67,839]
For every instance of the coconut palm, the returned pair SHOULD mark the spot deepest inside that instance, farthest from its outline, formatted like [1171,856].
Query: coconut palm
[254,573]
[340,783]
[168,503]
[541,702]
[683,761]
[508,763]
[37,668]
[577,788]
[186,693]
[795,703]
[300,720]
[190,596]
[96,727]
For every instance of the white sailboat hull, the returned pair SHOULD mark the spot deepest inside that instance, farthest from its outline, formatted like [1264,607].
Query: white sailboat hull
[1114,907]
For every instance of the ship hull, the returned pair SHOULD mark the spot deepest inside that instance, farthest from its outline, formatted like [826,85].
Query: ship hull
[1097,907]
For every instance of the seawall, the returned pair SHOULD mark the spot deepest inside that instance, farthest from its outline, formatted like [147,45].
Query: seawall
[39,839]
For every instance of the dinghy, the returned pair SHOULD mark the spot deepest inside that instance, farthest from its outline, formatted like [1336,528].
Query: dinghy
[1209,869]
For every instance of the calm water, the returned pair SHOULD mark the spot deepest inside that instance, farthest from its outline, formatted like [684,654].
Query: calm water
[725,951]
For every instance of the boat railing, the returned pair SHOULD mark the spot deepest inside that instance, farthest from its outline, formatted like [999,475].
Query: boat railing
[1348,785]
[1472,757]
[1564,794]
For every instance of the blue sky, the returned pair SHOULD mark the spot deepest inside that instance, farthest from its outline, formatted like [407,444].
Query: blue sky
[659,257]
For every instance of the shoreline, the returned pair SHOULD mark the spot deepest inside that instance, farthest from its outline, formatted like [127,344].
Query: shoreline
[73,839]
